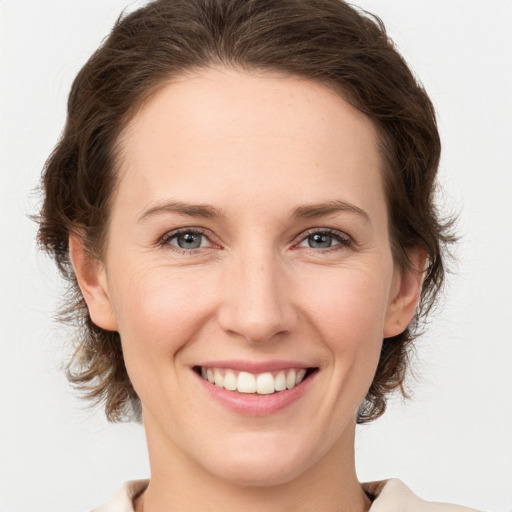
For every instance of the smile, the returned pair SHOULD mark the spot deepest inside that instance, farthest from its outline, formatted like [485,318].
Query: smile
[265,383]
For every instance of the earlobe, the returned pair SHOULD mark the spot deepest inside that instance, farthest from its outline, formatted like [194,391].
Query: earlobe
[91,277]
[406,291]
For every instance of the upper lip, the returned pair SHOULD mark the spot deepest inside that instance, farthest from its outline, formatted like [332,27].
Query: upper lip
[255,367]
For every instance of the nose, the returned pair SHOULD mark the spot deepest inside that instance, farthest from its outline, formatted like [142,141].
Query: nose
[257,301]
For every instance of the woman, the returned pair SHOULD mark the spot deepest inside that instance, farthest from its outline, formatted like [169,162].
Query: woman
[242,201]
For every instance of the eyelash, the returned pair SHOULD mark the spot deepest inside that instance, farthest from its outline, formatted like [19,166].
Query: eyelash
[165,241]
[344,241]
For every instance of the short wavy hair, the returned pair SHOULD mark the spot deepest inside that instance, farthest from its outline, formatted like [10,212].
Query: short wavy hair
[327,41]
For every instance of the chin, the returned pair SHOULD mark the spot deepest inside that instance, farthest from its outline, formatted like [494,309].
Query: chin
[260,473]
[262,466]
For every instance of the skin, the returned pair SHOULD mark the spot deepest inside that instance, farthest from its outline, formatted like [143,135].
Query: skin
[257,148]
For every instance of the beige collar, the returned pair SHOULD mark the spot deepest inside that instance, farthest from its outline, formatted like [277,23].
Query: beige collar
[389,496]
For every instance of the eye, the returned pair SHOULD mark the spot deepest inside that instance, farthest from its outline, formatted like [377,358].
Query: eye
[325,239]
[187,239]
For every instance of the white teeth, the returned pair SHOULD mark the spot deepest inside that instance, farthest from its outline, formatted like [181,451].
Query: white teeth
[290,379]
[245,382]
[280,382]
[230,381]
[219,379]
[265,384]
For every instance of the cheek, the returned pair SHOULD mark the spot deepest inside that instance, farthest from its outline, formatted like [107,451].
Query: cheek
[158,312]
[349,317]
[350,309]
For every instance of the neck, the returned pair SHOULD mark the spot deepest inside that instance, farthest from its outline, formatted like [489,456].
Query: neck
[177,484]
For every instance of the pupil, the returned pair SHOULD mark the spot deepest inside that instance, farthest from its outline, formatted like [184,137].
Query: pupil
[189,241]
[320,240]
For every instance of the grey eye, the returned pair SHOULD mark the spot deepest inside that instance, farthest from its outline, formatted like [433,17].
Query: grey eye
[188,240]
[325,240]
[320,241]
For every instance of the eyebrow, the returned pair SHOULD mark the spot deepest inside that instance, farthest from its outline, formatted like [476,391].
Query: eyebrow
[208,211]
[191,210]
[323,209]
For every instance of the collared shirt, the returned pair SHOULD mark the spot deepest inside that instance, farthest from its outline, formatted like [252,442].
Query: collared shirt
[389,496]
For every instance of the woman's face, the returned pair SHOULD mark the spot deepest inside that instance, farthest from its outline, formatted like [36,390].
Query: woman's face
[249,245]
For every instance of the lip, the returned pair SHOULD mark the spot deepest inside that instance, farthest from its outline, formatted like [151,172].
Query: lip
[249,404]
[255,367]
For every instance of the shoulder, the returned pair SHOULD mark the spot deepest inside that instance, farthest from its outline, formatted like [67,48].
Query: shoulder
[394,496]
[390,496]
[122,501]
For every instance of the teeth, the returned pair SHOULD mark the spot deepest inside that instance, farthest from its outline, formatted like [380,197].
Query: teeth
[280,382]
[265,384]
[261,384]
[230,381]
[218,378]
[246,383]
[298,378]
[291,379]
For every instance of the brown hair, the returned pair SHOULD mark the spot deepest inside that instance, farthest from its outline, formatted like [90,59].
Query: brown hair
[326,41]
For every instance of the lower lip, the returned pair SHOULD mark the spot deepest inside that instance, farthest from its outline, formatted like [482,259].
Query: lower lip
[252,404]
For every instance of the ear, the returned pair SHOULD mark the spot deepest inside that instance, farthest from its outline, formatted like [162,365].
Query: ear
[91,277]
[405,294]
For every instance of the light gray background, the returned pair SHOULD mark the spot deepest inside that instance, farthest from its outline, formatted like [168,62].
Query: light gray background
[453,442]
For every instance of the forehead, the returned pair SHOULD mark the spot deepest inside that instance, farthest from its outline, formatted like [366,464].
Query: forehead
[210,135]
